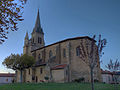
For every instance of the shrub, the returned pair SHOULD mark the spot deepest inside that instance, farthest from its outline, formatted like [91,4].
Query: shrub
[46,78]
[95,80]
[79,80]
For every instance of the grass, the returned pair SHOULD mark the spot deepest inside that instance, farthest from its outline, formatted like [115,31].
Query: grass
[56,86]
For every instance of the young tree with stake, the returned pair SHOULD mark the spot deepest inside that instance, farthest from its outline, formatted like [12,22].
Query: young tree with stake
[93,53]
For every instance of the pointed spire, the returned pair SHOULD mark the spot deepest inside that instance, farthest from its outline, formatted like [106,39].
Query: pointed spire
[37,24]
[37,27]
[26,37]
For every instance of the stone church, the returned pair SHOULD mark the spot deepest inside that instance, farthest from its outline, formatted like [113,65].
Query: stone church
[58,62]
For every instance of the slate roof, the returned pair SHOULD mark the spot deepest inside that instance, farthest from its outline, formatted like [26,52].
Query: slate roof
[75,38]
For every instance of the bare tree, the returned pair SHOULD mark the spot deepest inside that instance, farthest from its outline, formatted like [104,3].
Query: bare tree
[114,67]
[93,52]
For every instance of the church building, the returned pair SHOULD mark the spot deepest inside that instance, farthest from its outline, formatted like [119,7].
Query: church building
[58,62]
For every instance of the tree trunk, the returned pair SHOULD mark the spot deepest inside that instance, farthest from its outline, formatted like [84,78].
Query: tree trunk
[21,76]
[92,80]
[16,75]
[115,83]
[51,78]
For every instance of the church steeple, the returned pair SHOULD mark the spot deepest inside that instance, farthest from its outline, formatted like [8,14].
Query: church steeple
[26,41]
[26,37]
[37,39]
[37,27]
[26,47]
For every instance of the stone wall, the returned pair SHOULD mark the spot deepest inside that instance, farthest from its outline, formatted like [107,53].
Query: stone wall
[65,53]
[40,74]
[58,75]
[27,75]
[17,76]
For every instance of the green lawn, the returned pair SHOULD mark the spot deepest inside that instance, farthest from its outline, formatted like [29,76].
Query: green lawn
[57,86]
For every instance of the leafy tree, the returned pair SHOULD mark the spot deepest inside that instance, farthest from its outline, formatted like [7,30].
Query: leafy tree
[10,14]
[114,67]
[12,61]
[18,62]
[94,52]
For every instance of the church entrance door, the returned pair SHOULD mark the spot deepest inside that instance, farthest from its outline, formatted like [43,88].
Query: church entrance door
[36,79]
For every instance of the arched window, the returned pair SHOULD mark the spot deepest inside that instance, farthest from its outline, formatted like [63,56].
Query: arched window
[78,51]
[39,40]
[39,56]
[64,52]
[50,54]
[29,71]
[33,40]
[41,70]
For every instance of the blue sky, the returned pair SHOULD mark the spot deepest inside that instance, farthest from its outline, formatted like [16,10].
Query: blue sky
[61,19]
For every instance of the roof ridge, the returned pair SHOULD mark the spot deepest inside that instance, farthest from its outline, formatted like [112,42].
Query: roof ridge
[74,38]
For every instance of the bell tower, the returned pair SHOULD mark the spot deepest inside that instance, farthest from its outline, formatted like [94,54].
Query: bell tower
[26,44]
[37,39]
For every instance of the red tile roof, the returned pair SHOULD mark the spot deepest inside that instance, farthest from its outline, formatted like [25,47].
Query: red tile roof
[7,75]
[61,66]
